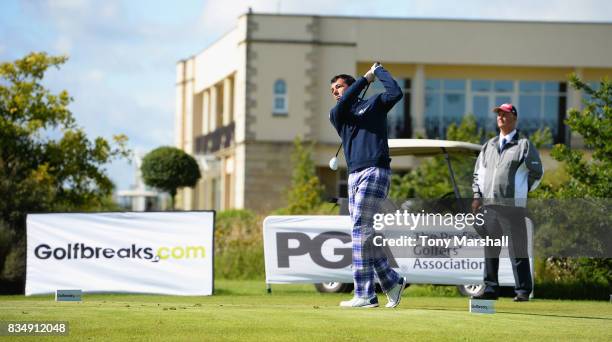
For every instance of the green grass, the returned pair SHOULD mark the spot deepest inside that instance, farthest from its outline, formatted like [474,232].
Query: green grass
[241,310]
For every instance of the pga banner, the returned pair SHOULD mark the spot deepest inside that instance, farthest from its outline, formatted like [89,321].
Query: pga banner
[317,249]
[130,252]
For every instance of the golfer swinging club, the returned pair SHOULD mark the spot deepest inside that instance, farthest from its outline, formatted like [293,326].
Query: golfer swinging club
[362,126]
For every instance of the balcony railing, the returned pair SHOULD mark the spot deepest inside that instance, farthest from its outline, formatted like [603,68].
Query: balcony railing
[221,137]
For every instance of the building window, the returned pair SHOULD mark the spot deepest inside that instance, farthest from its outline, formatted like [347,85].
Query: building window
[484,96]
[280,98]
[444,104]
[399,121]
[540,104]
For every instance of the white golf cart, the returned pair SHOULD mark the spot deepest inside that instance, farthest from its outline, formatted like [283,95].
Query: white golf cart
[316,249]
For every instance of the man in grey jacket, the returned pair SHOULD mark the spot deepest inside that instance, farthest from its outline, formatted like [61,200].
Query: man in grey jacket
[507,168]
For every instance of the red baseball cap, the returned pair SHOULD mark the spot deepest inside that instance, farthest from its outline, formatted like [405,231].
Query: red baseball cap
[506,107]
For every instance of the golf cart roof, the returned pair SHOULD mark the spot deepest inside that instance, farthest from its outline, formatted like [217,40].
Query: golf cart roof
[430,147]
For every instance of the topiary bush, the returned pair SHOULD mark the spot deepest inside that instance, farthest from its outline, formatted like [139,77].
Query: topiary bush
[169,168]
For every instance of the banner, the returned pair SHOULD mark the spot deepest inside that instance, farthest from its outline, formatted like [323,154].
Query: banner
[317,249]
[135,252]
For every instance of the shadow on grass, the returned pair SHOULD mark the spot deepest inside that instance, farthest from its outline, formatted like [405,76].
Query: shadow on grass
[559,316]
[522,313]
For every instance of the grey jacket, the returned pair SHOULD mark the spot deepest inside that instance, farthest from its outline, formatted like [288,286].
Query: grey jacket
[505,177]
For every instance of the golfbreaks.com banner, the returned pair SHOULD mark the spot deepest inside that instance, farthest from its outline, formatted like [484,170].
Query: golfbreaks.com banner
[144,252]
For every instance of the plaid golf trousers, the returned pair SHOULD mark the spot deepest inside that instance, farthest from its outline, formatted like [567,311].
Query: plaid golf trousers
[367,189]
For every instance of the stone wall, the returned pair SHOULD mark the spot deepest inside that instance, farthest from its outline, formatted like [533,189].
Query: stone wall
[268,171]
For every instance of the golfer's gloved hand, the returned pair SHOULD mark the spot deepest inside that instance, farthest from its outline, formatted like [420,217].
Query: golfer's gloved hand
[370,76]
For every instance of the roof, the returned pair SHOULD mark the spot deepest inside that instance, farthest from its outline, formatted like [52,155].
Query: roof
[415,18]
[430,147]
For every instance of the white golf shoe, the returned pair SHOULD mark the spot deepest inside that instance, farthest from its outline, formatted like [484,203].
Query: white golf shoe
[357,302]
[394,296]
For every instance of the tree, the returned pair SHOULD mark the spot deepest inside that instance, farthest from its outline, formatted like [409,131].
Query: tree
[576,198]
[47,163]
[589,178]
[168,169]
[305,193]
[431,180]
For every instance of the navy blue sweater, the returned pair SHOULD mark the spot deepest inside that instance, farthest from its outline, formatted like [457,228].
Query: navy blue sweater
[362,124]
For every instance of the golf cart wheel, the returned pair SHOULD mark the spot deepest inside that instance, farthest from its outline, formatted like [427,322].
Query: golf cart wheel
[471,290]
[334,287]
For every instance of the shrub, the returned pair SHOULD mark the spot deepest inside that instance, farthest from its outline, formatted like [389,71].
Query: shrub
[305,193]
[239,245]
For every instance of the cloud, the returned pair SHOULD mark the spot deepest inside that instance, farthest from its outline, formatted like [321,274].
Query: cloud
[555,10]
[63,45]
[94,75]
[219,16]
[68,5]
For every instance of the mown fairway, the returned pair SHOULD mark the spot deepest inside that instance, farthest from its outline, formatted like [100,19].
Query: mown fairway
[242,311]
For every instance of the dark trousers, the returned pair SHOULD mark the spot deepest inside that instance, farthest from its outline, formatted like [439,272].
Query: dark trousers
[507,221]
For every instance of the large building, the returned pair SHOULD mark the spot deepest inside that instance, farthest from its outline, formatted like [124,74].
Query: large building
[243,100]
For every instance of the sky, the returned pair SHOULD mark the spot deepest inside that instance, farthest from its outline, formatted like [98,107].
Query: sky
[122,54]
